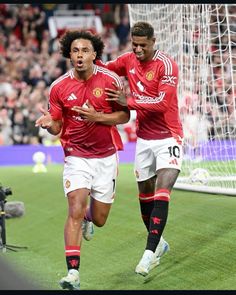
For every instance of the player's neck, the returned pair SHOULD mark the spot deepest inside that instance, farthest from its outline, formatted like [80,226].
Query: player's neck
[83,75]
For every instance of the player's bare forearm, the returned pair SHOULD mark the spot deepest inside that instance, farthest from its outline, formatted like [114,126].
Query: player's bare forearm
[55,129]
[90,114]
[119,117]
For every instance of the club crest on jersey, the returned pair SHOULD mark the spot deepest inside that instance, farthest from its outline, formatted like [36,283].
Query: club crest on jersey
[67,183]
[97,92]
[150,75]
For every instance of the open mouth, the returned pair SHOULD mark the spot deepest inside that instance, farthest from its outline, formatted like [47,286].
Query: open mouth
[80,63]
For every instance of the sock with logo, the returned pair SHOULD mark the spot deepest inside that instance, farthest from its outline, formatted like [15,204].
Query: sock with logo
[72,254]
[158,218]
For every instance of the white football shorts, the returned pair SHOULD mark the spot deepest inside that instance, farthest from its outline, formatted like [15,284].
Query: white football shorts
[152,155]
[96,174]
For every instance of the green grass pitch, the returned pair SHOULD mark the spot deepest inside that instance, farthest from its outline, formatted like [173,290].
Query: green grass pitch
[200,230]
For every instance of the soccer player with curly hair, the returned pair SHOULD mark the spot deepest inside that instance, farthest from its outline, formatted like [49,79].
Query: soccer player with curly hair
[85,121]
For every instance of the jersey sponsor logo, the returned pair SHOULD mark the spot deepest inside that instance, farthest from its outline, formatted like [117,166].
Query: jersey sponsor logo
[132,71]
[148,99]
[72,97]
[97,92]
[140,86]
[67,183]
[170,80]
[150,75]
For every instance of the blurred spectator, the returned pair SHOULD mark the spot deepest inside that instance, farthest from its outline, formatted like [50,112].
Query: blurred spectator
[5,128]
[111,44]
[123,30]
[106,12]
[32,131]
[19,129]
[5,87]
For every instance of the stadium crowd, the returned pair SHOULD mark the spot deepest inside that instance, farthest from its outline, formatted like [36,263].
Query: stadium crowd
[30,62]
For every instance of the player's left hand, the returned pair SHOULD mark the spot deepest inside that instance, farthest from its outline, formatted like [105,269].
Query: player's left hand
[117,95]
[87,112]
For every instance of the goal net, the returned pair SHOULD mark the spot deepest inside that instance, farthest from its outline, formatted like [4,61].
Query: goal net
[202,40]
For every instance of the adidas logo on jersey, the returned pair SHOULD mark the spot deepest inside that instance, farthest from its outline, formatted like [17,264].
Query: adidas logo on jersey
[72,97]
[173,162]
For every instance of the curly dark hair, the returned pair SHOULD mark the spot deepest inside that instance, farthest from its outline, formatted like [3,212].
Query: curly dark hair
[69,36]
[142,29]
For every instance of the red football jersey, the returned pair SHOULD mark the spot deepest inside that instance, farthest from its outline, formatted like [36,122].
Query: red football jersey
[153,87]
[78,137]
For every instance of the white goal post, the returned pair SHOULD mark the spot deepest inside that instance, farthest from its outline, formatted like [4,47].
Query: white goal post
[202,40]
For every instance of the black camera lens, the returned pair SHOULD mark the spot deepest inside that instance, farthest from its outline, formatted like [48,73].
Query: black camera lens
[4,192]
[8,191]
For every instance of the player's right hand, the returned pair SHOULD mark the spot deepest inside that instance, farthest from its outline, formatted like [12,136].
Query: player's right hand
[45,121]
[117,95]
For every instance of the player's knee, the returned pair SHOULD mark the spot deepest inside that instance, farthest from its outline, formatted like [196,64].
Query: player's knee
[100,220]
[76,216]
[76,211]
[167,178]
[147,186]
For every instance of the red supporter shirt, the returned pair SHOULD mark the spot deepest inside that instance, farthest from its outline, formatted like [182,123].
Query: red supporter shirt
[78,137]
[153,87]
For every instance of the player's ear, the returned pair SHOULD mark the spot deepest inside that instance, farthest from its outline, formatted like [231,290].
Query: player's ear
[94,54]
[70,57]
